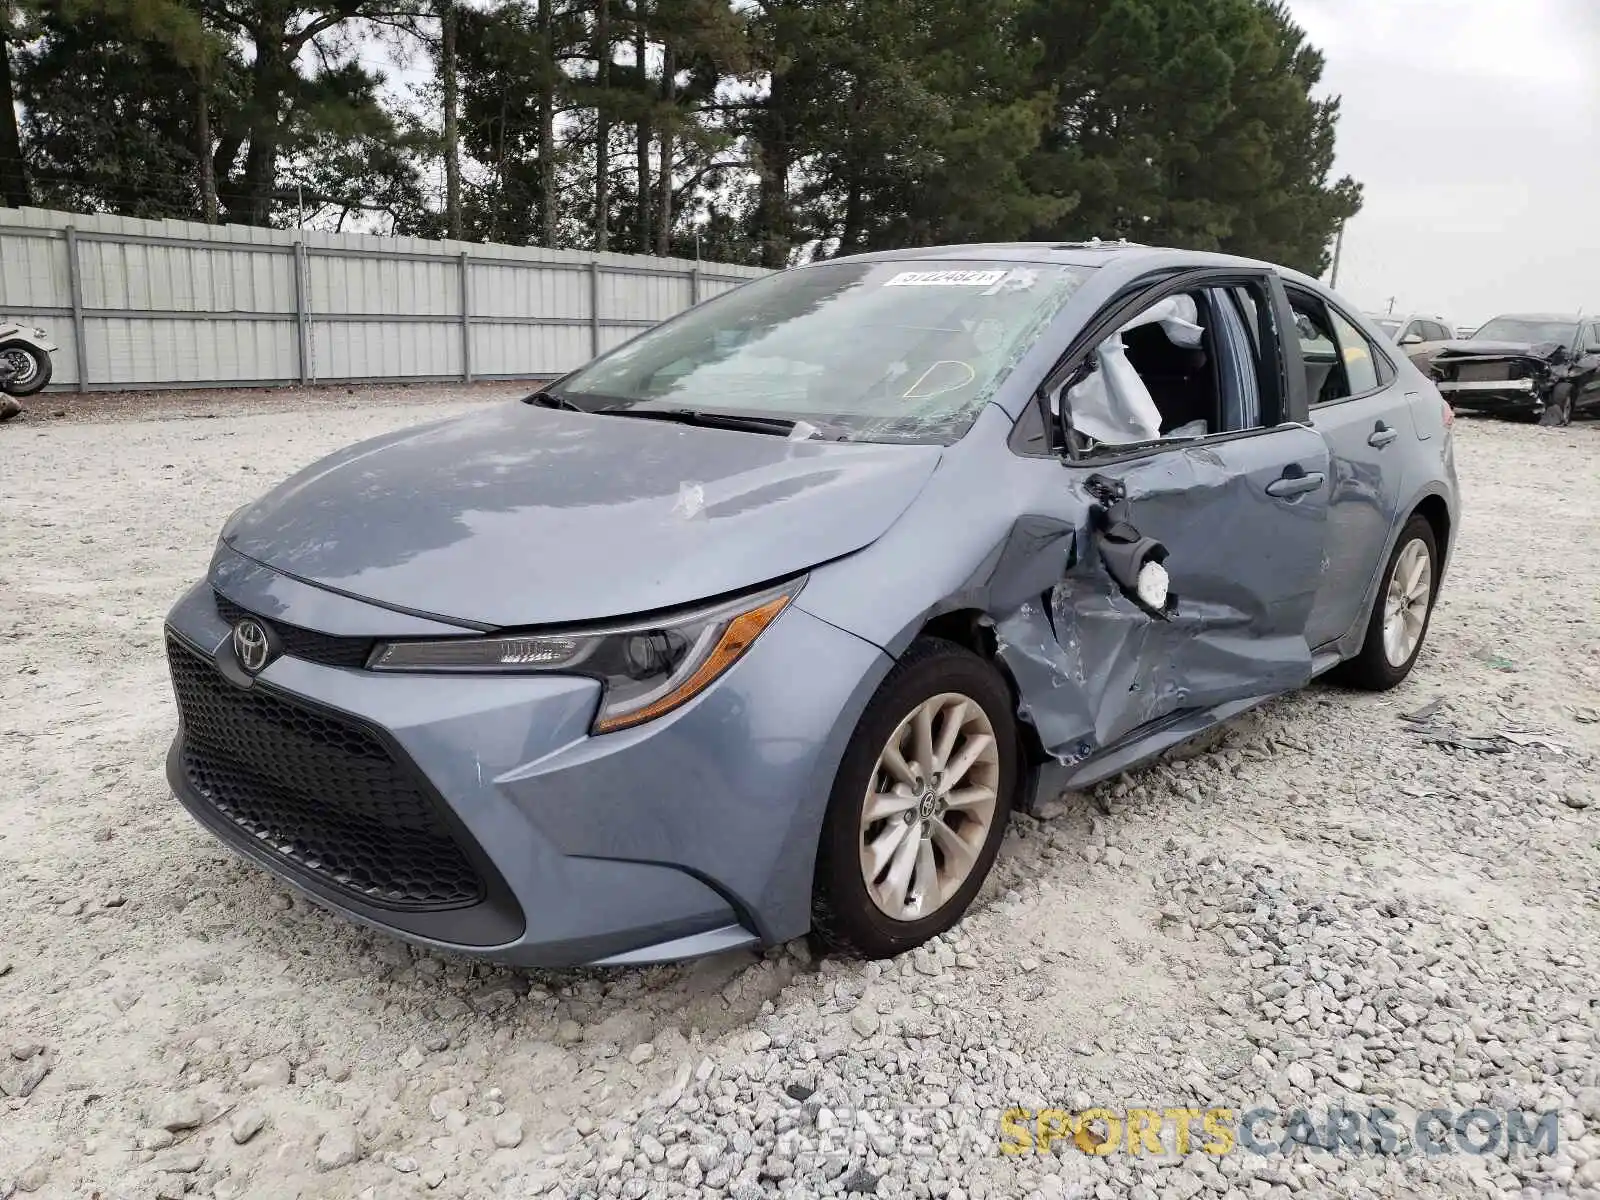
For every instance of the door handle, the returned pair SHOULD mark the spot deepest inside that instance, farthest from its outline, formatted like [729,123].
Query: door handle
[1382,435]
[1295,482]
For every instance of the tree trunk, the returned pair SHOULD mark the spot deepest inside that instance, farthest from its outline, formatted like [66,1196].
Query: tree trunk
[208,168]
[499,171]
[850,238]
[547,124]
[258,182]
[772,190]
[669,91]
[602,128]
[452,147]
[641,49]
[14,190]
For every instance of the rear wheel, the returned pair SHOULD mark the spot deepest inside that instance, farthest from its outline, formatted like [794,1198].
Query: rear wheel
[920,804]
[1400,615]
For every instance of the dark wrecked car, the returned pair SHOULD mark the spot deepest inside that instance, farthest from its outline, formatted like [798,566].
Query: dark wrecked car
[768,619]
[1537,367]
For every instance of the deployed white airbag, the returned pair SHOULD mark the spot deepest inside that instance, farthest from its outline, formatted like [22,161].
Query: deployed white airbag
[1112,404]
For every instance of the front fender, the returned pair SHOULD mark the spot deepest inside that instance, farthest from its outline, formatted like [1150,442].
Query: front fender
[990,531]
[33,339]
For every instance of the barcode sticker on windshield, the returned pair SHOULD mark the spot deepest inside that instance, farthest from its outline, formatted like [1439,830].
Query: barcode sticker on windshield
[946,279]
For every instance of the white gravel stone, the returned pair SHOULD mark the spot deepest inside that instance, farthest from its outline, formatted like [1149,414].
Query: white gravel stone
[338,1147]
[508,1131]
[266,1072]
[246,1123]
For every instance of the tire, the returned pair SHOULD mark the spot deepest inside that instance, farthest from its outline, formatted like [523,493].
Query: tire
[937,675]
[1373,669]
[35,379]
[1559,411]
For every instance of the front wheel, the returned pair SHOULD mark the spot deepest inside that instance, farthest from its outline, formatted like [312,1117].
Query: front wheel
[1401,613]
[28,368]
[1559,411]
[920,804]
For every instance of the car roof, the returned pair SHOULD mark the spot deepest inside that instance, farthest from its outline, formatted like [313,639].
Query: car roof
[1569,318]
[1074,254]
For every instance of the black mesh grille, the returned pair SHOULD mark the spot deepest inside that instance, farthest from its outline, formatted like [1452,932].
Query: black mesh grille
[318,791]
[325,648]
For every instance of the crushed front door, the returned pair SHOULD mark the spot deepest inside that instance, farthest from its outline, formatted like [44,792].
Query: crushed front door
[1242,521]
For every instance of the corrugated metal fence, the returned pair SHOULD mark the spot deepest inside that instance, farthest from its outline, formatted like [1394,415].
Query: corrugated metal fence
[147,304]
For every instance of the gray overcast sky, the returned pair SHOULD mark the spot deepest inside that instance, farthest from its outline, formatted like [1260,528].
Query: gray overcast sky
[1475,126]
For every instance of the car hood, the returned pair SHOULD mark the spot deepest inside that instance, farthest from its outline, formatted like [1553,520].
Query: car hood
[518,515]
[1498,349]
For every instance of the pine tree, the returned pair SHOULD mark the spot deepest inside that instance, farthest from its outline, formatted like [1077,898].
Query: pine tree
[15,191]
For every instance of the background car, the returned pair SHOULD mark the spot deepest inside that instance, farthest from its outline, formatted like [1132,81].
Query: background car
[1418,336]
[765,621]
[1536,366]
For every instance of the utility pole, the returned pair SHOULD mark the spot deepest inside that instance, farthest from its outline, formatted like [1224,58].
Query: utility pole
[1338,249]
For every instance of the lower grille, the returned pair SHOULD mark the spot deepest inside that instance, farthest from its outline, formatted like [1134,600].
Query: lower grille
[1484,372]
[317,790]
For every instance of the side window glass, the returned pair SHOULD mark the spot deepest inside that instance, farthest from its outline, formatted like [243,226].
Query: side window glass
[1239,377]
[1246,299]
[1415,327]
[1357,354]
[1189,366]
[1325,376]
[1440,334]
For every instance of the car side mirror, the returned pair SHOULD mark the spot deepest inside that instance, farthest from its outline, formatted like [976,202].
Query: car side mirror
[1411,339]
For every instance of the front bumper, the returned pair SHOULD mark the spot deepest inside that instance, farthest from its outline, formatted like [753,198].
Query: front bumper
[481,817]
[1494,395]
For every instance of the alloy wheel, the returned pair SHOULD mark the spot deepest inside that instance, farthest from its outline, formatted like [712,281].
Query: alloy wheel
[1405,608]
[22,365]
[929,806]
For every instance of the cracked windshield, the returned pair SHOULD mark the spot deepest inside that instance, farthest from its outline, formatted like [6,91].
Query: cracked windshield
[887,351]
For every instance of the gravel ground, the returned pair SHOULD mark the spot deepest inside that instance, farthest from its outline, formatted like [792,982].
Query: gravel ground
[1326,909]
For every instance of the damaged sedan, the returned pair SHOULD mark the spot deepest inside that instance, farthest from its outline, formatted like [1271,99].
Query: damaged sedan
[766,621]
[1536,367]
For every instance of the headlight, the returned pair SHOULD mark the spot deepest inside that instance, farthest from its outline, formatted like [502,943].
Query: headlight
[648,668]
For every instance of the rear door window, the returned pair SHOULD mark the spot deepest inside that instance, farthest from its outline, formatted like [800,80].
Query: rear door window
[1358,355]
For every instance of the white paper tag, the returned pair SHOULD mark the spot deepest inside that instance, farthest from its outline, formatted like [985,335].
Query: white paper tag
[946,279]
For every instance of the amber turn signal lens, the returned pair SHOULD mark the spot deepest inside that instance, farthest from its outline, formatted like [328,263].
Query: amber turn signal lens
[740,633]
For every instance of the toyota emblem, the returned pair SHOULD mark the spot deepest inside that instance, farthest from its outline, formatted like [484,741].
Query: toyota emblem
[251,646]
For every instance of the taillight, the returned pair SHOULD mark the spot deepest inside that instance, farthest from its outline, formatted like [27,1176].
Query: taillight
[1449,415]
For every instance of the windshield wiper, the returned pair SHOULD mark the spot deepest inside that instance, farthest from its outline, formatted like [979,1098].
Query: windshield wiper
[550,400]
[780,426]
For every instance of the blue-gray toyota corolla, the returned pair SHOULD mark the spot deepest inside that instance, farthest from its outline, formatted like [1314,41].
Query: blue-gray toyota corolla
[764,622]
